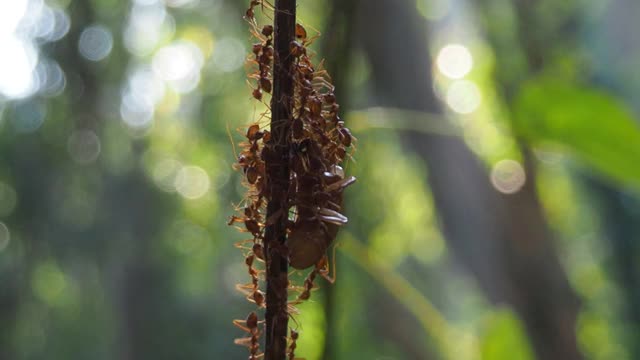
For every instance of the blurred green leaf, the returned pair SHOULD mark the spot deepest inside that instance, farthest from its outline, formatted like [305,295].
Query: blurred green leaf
[590,123]
[504,338]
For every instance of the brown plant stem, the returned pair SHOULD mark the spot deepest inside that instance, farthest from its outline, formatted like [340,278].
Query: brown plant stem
[277,169]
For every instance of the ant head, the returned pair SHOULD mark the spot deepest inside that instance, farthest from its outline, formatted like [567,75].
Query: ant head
[257,48]
[301,32]
[267,30]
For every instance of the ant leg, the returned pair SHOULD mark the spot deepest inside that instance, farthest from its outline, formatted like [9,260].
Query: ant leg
[245,341]
[246,289]
[241,244]
[269,5]
[239,324]
[324,267]
[322,82]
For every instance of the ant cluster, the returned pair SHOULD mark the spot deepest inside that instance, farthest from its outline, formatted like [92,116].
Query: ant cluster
[317,141]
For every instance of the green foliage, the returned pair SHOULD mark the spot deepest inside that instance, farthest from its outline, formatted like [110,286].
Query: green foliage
[504,338]
[588,122]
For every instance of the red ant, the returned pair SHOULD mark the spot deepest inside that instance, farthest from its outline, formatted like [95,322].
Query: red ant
[252,292]
[250,13]
[250,325]
[292,345]
[321,268]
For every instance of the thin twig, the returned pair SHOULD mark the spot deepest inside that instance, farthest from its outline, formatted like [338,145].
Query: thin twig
[278,173]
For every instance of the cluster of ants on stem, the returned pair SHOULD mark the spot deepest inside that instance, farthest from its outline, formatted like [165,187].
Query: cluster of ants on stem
[317,141]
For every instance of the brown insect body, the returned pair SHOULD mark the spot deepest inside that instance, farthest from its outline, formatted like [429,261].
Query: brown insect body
[317,226]
[307,244]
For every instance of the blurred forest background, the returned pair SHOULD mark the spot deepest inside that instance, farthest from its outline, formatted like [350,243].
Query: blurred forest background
[496,214]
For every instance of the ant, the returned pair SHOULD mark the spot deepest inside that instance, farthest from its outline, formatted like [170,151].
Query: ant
[292,345]
[250,325]
[250,13]
[321,268]
[251,224]
[251,290]
[263,53]
[250,160]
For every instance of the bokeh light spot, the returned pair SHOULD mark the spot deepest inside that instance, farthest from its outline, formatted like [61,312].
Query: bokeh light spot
[137,110]
[201,37]
[95,42]
[16,78]
[165,173]
[49,283]
[145,83]
[28,116]
[454,61]
[51,78]
[11,12]
[61,26]
[463,96]
[192,182]
[147,22]
[179,64]
[508,176]
[84,146]
[228,54]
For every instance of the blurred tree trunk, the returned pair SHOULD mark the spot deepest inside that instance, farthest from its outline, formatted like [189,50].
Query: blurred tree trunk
[132,214]
[614,52]
[620,214]
[503,239]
